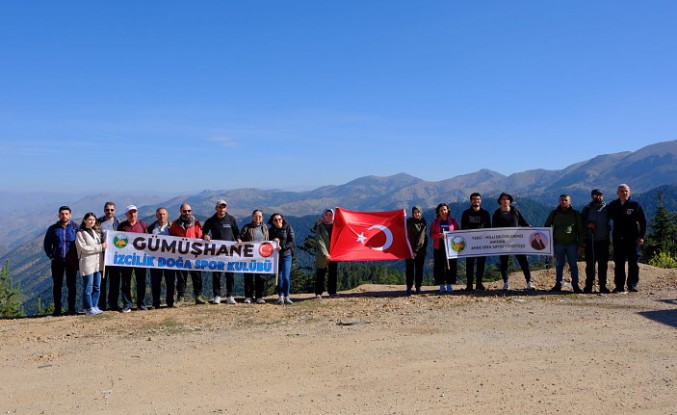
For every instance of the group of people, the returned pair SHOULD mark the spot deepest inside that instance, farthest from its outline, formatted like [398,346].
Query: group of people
[72,248]
[573,233]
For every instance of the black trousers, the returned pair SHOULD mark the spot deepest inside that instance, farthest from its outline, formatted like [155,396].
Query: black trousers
[332,279]
[521,260]
[156,275]
[60,267]
[414,270]
[470,270]
[126,288]
[596,252]
[113,277]
[182,282]
[216,283]
[626,250]
[445,271]
[254,285]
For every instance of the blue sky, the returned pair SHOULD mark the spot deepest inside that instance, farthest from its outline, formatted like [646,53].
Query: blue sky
[186,96]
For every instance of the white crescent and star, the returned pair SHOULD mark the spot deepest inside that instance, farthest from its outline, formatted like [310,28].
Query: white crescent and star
[389,238]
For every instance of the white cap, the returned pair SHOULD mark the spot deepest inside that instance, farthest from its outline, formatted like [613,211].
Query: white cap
[129,208]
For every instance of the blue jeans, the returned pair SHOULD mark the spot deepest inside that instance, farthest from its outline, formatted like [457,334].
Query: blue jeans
[570,251]
[90,292]
[284,272]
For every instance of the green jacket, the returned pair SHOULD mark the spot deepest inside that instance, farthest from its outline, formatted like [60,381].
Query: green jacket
[567,226]
[323,236]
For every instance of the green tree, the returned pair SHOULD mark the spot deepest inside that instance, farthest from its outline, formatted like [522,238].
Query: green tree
[662,237]
[10,295]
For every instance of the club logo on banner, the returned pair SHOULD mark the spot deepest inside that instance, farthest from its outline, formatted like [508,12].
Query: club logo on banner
[369,236]
[171,252]
[499,241]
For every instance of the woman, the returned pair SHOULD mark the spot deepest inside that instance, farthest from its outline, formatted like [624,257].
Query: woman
[255,231]
[323,262]
[417,232]
[445,269]
[281,232]
[90,248]
[508,216]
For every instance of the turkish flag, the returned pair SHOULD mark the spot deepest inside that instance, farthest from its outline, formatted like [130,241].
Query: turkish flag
[369,236]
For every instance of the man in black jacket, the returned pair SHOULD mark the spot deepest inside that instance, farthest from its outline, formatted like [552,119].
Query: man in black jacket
[221,227]
[475,217]
[629,228]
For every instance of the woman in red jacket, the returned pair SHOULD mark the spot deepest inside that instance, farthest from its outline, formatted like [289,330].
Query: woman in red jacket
[445,269]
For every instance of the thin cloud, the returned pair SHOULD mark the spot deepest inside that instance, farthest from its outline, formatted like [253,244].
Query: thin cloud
[225,141]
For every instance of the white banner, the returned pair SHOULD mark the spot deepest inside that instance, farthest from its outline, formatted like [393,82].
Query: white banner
[499,241]
[127,249]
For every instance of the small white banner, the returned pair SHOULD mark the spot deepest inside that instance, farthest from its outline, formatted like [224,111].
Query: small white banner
[499,241]
[127,249]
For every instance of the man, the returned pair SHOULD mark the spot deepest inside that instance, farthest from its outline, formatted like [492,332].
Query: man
[221,227]
[161,227]
[596,223]
[187,226]
[567,235]
[508,216]
[59,246]
[108,222]
[628,235]
[475,217]
[323,262]
[133,225]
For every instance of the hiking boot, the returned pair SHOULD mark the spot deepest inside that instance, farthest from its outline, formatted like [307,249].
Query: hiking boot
[619,290]
[577,289]
[418,290]
[556,288]
[588,289]
[469,288]
[200,299]
[408,292]
[216,300]
[531,286]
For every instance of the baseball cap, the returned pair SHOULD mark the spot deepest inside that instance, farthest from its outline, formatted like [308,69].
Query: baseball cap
[221,202]
[129,208]
[596,192]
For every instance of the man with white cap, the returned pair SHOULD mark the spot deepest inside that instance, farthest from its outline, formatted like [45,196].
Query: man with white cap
[221,227]
[133,225]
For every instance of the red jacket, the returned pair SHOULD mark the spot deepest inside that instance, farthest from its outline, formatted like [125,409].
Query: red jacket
[192,231]
[436,231]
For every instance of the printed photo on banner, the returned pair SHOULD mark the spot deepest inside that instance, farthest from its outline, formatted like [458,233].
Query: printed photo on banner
[499,241]
[171,252]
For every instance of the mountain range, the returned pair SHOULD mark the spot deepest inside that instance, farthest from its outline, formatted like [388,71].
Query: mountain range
[649,171]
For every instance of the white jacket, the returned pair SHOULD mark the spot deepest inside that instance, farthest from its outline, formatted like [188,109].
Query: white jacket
[90,252]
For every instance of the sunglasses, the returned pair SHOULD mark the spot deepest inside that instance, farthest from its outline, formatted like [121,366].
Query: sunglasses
[186,211]
[109,210]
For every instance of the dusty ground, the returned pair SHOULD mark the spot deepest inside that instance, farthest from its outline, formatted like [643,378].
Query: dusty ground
[372,351]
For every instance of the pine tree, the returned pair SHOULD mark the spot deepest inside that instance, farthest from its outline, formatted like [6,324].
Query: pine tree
[662,237]
[10,296]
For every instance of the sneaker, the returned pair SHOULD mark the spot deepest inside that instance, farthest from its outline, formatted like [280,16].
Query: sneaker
[216,300]
[577,289]
[418,290]
[469,288]
[288,300]
[318,297]
[443,289]
[449,288]
[180,301]
[588,289]
[200,299]
[142,307]
[506,286]
[633,289]
[407,292]
[604,290]
[556,288]
[230,300]
[480,287]
[126,310]
[89,311]
[333,296]
[619,290]
[531,286]
[260,301]
[248,300]
[280,300]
